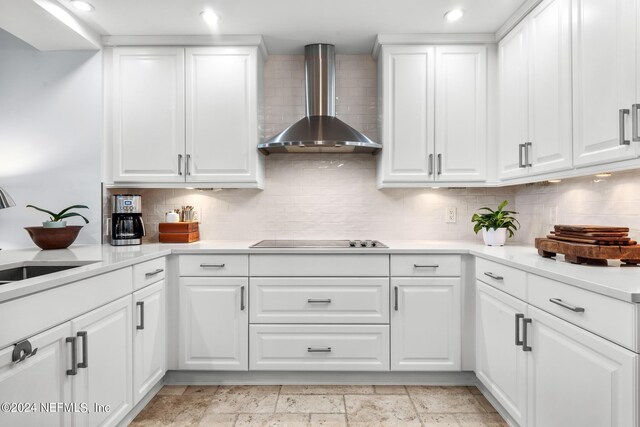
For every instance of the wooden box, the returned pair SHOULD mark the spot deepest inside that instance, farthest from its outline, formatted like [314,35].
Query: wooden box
[179,232]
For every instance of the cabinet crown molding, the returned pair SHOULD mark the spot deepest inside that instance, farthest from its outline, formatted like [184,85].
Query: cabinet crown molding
[431,39]
[188,40]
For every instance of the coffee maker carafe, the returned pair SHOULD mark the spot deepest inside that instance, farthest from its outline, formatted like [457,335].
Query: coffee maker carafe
[127,227]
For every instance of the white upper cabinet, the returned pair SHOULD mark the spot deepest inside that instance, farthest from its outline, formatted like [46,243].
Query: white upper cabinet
[550,121]
[187,115]
[461,113]
[535,122]
[433,113]
[604,80]
[222,114]
[406,101]
[148,114]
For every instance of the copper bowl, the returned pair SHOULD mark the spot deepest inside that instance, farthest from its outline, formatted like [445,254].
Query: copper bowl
[54,238]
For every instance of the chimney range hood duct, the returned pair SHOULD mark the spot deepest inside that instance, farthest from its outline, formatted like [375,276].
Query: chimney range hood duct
[320,131]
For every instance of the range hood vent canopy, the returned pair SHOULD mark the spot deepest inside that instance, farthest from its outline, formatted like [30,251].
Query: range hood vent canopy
[320,131]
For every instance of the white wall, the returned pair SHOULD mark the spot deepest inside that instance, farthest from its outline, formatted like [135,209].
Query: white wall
[50,136]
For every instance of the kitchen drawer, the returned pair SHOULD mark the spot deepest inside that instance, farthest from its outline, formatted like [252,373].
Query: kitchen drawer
[319,347]
[37,312]
[320,265]
[425,265]
[610,318]
[319,300]
[507,279]
[148,272]
[214,265]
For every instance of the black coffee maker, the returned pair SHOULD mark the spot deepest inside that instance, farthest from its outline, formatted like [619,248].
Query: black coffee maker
[127,227]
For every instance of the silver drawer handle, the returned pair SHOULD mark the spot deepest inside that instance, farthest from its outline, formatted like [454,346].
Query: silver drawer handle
[319,301]
[563,304]
[319,350]
[425,266]
[153,273]
[212,265]
[493,276]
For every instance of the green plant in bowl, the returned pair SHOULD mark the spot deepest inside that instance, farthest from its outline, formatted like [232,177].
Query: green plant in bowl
[56,220]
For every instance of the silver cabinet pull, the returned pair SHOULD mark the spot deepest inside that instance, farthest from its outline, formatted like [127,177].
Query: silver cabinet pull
[425,266]
[395,298]
[525,341]
[493,276]
[518,317]
[141,305]
[439,164]
[520,162]
[318,350]
[430,164]
[85,349]
[623,112]
[212,265]
[180,164]
[634,123]
[74,356]
[153,273]
[188,165]
[563,304]
[242,306]
[319,301]
[527,160]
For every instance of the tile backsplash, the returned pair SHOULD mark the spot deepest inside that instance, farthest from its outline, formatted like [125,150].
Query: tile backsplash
[333,196]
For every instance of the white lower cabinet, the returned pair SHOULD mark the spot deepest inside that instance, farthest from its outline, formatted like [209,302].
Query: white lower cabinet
[501,365]
[149,339]
[40,379]
[425,324]
[104,371]
[214,323]
[576,378]
[319,347]
[547,372]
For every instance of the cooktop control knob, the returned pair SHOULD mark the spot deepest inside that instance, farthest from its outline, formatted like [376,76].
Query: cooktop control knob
[374,243]
[363,244]
[352,243]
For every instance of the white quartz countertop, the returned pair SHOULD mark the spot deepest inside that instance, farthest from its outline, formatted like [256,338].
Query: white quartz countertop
[616,281]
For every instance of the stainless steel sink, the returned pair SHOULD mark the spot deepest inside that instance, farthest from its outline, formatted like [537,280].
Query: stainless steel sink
[15,274]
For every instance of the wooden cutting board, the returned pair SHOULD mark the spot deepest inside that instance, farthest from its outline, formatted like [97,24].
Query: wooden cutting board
[587,254]
[590,234]
[591,229]
[593,241]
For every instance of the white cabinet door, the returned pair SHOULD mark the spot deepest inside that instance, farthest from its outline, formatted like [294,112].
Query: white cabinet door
[501,365]
[222,114]
[407,111]
[461,113]
[550,111]
[214,323]
[425,324]
[578,379]
[513,70]
[104,370]
[148,114]
[149,339]
[40,379]
[604,79]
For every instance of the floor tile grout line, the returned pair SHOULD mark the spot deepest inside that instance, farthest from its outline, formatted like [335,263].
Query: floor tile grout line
[415,409]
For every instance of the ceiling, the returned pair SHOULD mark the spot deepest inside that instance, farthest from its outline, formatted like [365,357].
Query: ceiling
[287,25]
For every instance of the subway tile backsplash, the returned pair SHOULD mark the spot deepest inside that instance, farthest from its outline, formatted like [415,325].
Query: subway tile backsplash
[334,196]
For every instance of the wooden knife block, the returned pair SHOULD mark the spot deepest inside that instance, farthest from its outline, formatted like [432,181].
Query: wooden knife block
[179,232]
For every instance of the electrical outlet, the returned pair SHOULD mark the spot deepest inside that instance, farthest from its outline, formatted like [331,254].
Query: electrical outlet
[451,215]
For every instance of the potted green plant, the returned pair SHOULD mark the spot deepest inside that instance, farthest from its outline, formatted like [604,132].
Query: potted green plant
[55,234]
[495,224]
[56,219]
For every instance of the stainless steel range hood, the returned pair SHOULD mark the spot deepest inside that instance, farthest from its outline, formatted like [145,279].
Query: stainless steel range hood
[320,131]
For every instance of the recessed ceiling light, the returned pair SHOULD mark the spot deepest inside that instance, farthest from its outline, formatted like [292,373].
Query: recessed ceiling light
[603,175]
[209,16]
[454,15]
[82,5]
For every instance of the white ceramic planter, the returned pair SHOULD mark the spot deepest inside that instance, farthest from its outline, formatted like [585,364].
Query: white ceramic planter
[494,237]
[54,224]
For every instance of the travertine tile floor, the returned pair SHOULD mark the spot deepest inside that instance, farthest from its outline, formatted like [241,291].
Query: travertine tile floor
[306,405]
